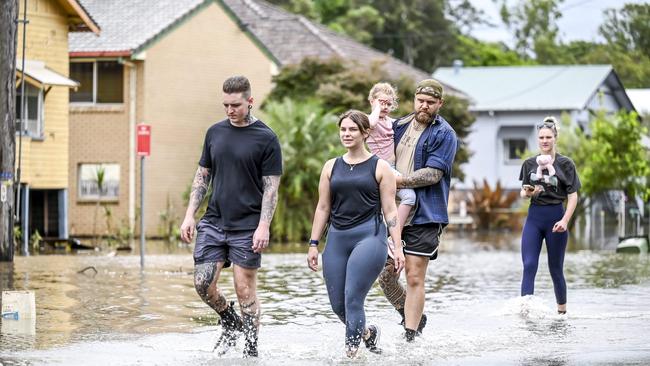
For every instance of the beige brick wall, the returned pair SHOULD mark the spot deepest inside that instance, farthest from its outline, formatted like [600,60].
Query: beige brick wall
[45,163]
[184,73]
[98,134]
[179,95]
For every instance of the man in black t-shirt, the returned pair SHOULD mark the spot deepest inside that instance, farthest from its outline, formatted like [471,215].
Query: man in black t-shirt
[242,161]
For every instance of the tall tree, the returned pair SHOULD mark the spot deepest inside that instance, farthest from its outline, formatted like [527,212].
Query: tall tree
[415,31]
[611,155]
[8,16]
[628,28]
[340,85]
[534,24]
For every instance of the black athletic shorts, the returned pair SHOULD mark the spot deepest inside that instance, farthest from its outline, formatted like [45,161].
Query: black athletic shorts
[422,240]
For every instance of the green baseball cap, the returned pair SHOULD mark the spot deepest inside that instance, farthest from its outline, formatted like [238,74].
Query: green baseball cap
[430,87]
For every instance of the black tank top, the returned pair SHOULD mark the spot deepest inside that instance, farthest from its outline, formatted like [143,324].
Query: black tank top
[355,193]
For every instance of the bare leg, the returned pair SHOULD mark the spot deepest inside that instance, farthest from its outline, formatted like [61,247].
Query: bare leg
[416,268]
[246,288]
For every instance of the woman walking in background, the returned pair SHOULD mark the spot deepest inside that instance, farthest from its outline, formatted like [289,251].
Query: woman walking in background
[353,190]
[547,219]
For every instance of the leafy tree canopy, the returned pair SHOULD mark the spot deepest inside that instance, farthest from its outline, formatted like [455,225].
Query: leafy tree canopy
[339,85]
[610,155]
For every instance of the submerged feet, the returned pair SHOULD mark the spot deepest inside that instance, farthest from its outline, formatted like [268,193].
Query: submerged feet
[231,329]
[372,340]
[250,334]
[421,325]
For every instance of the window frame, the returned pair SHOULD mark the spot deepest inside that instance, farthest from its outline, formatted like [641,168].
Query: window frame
[95,78]
[40,111]
[97,198]
[506,149]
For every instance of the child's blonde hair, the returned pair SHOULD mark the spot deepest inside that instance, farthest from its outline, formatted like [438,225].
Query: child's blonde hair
[385,88]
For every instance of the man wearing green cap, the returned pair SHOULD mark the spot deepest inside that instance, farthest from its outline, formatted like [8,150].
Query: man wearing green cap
[425,147]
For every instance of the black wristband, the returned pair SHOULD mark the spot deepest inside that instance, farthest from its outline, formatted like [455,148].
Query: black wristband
[313,242]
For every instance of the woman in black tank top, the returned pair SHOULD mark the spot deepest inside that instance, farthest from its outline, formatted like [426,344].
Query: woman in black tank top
[353,190]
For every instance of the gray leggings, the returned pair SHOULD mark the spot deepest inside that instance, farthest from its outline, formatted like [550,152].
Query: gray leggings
[352,260]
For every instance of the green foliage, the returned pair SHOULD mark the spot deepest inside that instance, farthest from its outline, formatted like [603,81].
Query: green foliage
[36,239]
[308,137]
[340,85]
[533,22]
[169,222]
[611,155]
[628,28]
[415,31]
[100,175]
[477,53]
[18,235]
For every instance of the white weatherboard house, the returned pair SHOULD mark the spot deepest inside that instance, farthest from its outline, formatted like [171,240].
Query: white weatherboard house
[510,101]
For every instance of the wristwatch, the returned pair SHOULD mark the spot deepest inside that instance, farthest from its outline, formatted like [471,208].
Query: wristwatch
[313,242]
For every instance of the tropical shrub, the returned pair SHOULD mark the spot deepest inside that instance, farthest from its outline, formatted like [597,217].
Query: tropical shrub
[308,137]
[490,208]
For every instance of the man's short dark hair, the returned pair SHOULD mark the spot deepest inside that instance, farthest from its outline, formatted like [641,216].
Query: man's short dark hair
[237,84]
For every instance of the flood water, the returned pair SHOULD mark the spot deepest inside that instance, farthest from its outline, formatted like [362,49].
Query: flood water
[122,316]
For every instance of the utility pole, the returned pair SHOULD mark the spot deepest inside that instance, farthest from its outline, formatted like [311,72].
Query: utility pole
[8,30]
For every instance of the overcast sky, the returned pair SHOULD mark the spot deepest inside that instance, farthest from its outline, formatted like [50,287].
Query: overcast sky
[580,19]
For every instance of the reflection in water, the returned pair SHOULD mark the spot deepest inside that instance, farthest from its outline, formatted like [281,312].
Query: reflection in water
[155,316]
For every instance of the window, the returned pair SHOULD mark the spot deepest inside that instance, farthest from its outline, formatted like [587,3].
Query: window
[92,176]
[513,148]
[101,82]
[33,123]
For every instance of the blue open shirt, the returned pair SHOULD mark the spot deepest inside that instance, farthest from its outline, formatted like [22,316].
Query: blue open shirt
[436,148]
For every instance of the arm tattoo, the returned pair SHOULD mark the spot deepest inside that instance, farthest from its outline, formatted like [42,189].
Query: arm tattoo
[200,187]
[391,222]
[422,177]
[270,198]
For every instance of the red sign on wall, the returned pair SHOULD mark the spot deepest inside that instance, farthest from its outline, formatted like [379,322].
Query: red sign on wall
[144,140]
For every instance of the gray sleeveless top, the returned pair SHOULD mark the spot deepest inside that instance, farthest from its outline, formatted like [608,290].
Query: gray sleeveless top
[354,193]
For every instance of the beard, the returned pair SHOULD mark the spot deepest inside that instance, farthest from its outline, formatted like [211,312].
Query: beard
[423,117]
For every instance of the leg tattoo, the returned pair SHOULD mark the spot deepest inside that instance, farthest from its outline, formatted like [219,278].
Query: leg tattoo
[393,290]
[206,286]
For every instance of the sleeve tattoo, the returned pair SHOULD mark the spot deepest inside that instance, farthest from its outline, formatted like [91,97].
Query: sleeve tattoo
[422,177]
[270,198]
[200,187]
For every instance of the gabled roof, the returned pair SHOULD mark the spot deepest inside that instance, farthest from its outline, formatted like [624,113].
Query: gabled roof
[516,88]
[80,19]
[290,38]
[129,27]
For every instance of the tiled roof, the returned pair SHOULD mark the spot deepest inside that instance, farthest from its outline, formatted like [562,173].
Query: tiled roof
[290,38]
[128,25]
[287,37]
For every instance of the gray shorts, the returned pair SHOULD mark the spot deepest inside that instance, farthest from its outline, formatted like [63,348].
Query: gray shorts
[214,244]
